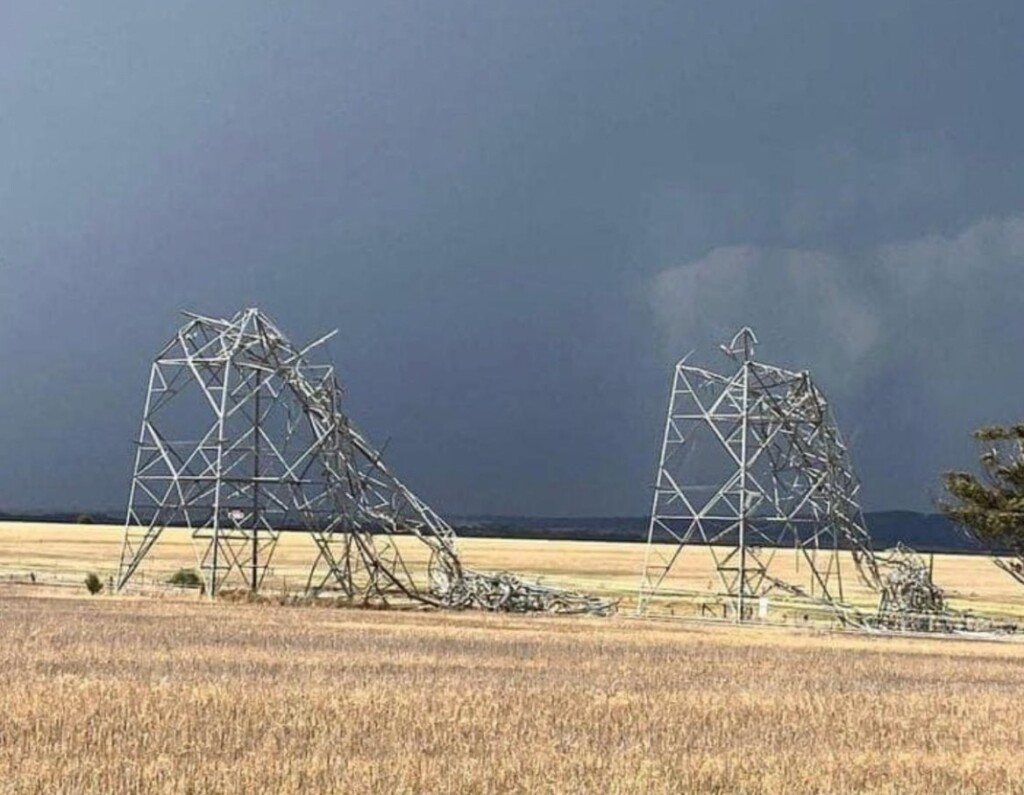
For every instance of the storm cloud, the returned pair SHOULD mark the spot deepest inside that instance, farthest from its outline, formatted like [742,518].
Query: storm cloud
[913,339]
[519,215]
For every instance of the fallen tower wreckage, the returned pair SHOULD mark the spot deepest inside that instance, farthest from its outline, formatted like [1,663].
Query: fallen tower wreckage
[752,462]
[243,439]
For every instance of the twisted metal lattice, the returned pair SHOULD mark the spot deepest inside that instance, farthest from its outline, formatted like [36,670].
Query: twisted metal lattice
[507,592]
[777,472]
[752,461]
[243,438]
[909,600]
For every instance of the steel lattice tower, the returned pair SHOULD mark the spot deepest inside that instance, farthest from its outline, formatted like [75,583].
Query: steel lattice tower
[243,438]
[752,461]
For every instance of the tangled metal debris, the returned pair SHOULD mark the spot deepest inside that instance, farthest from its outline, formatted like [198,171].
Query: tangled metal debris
[243,439]
[909,600]
[507,592]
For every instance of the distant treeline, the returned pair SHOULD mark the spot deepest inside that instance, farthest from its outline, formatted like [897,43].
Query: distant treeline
[62,517]
[923,532]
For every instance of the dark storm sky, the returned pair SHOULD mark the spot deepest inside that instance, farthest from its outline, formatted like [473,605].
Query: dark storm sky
[519,215]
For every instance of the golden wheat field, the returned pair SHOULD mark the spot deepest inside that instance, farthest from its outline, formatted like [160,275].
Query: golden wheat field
[62,554]
[175,694]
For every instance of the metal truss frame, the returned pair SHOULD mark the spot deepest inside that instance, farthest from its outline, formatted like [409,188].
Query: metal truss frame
[274,453]
[787,482]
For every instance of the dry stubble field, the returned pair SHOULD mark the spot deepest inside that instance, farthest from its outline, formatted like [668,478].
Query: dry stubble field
[144,694]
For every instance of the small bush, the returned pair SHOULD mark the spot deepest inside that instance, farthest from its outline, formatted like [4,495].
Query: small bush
[186,578]
[93,584]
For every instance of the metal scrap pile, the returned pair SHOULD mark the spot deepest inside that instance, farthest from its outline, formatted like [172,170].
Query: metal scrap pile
[909,599]
[505,592]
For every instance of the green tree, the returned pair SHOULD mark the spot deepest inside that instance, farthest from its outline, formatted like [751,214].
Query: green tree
[93,584]
[990,506]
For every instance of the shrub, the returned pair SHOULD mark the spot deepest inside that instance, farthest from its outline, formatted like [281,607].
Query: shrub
[186,578]
[93,584]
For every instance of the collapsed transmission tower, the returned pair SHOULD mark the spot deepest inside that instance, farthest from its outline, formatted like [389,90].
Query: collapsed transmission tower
[243,438]
[752,461]
[909,600]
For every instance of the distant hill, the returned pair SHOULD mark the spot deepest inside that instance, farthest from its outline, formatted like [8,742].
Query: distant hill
[62,517]
[923,532]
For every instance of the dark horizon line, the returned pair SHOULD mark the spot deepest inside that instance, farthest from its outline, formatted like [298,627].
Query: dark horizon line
[119,514]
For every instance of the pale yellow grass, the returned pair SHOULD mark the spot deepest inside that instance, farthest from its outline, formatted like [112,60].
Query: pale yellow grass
[179,695]
[69,551]
[170,696]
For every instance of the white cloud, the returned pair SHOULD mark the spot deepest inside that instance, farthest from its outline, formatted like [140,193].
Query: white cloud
[845,308]
[917,341]
[795,299]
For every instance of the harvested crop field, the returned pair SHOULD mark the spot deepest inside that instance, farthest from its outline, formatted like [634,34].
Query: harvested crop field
[61,554]
[174,695]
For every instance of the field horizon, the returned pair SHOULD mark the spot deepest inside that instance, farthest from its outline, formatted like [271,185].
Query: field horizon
[62,554]
[922,530]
